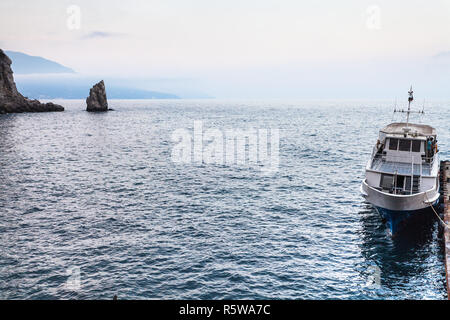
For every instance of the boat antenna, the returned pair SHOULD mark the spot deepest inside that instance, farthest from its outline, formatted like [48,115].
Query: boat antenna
[408,112]
[395,109]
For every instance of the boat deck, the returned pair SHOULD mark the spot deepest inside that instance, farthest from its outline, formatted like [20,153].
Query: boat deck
[401,168]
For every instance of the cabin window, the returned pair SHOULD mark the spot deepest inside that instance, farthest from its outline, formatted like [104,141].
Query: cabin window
[387,181]
[400,182]
[416,145]
[407,183]
[404,145]
[393,144]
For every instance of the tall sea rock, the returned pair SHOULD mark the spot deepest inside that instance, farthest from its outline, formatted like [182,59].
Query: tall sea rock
[97,98]
[11,101]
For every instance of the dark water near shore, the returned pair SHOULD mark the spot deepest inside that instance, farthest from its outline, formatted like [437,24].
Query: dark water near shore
[99,192]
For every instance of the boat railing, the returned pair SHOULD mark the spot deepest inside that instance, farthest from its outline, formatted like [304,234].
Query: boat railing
[413,188]
[402,159]
[398,165]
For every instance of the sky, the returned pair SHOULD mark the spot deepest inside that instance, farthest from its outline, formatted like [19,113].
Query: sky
[244,49]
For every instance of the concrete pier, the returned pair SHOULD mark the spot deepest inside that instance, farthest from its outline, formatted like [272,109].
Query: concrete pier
[445,184]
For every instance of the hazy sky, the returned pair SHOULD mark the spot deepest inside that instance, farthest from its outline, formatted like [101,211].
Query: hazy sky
[245,48]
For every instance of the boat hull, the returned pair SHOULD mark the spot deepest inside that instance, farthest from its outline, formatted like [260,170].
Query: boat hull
[396,220]
[396,209]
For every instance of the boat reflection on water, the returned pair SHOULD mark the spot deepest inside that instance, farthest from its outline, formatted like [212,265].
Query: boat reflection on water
[405,258]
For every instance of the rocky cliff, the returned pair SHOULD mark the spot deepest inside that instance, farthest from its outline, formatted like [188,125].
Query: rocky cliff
[11,100]
[97,98]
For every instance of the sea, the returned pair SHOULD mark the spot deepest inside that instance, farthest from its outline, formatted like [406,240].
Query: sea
[94,205]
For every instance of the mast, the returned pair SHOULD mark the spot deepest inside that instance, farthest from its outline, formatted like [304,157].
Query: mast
[410,98]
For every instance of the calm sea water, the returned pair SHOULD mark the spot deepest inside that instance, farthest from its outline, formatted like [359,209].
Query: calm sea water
[99,194]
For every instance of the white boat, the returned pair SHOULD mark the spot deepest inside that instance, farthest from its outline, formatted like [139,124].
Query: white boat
[402,175]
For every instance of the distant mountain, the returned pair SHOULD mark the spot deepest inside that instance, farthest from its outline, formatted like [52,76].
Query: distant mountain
[40,78]
[442,55]
[25,64]
[62,88]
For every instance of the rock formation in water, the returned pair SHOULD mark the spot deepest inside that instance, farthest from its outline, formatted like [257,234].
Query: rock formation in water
[11,101]
[97,98]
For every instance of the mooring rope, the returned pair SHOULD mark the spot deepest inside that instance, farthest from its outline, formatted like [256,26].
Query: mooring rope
[437,215]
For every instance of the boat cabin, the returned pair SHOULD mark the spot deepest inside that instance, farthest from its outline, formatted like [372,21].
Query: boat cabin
[403,155]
